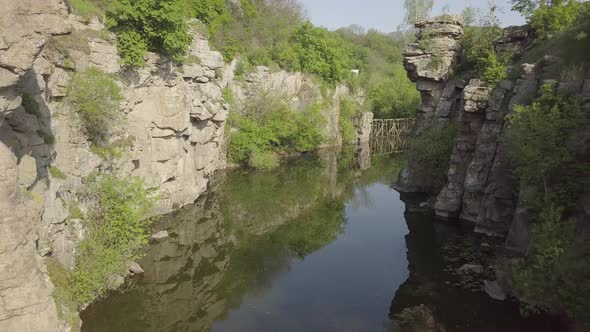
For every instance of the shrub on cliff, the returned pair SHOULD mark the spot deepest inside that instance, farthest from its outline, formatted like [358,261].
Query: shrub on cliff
[432,149]
[95,96]
[149,25]
[477,47]
[555,271]
[117,228]
[536,135]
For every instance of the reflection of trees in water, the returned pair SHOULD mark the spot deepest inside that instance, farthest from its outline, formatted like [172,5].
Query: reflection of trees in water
[454,308]
[237,239]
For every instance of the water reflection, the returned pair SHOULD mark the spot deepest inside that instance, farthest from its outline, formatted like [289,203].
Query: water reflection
[236,240]
[321,244]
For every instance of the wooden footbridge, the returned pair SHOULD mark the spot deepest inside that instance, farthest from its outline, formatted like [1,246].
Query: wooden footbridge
[390,135]
[392,127]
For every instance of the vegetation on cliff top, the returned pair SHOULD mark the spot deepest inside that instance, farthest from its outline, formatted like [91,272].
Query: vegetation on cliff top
[270,33]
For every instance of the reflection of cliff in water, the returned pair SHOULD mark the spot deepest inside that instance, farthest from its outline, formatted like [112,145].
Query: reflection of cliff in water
[235,240]
[452,307]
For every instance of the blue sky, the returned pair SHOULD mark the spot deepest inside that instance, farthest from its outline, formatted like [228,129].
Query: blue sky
[386,15]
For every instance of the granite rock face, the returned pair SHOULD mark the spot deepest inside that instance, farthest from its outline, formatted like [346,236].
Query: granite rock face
[429,63]
[175,120]
[25,291]
[481,186]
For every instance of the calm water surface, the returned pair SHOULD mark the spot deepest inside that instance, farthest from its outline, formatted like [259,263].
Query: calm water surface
[322,244]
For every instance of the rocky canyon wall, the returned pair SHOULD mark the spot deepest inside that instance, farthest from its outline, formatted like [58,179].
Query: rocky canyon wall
[480,186]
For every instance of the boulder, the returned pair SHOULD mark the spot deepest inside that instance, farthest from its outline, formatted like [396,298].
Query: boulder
[27,171]
[134,268]
[494,290]
[470,268]
[160,235]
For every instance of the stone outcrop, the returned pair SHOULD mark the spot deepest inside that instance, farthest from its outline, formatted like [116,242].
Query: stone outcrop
[174,118]
[429,63]
[480,186]
[25,292]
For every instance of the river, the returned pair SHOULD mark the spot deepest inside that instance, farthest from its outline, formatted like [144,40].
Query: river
[321,244]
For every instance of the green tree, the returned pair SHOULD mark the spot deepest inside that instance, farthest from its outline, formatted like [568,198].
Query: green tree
[149,25]
[536,136]
[324,53]
[417,10]
[549,16]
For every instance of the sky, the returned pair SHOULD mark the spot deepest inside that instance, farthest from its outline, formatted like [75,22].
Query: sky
[386,15]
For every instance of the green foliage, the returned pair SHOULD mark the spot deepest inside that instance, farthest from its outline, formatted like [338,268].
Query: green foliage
[548,17]
[114,150]
[206,11]
[556,271]
[228,96]
[323,53]
[95,97]
[386,102]
[264,160]
[349,112]
[74,210]
[561,15]
[383,69]
[66,306]
[88,8]
[255,28]
[491,69]
[117,228]
[536,135]
[269,125]
[149,25]
[478,54]
[56,173]
[433,148]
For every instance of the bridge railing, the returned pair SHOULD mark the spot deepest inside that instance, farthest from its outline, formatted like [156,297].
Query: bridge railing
[392,127]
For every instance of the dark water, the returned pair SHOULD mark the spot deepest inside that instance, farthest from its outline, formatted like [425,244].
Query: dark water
[321,244]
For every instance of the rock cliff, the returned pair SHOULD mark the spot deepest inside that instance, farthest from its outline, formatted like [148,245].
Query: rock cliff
[173,137]
[174,118]
[481,186]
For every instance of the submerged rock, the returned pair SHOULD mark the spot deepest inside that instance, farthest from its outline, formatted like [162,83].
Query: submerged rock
[470,268]
[494,290]
[114,281]
[417,319]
